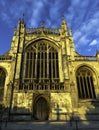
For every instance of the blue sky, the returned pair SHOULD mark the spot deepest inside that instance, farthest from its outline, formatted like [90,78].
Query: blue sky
[81,15]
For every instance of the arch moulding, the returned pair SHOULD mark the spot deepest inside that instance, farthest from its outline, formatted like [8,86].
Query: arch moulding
[54,43]
[4,69]
[86,65]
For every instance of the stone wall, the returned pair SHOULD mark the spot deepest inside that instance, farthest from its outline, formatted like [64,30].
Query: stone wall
[61,106]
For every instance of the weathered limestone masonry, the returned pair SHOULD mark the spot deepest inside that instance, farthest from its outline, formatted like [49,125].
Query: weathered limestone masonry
[42,77]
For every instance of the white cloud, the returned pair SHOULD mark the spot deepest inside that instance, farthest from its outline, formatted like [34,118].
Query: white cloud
[36,12]
[6,18]
[82,16]
[75,3]
[87,31]
[94,42]
[3,2]
[89,50]
[77,34]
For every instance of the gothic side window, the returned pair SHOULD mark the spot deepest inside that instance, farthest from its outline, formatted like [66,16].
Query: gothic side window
[2,82]
[85,83]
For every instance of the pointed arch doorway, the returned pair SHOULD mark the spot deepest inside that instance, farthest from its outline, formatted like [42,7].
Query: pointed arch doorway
[41,109]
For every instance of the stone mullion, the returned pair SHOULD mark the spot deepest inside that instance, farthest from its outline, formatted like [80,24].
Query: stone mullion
[24,69]
[91,87]
[55,65]
[84,86]
[87,87]
[80,87]
[30,71]
[57,68]
[47,62]
[28,66]
[32,67]
[36,65]
[43,65]
[40,65]
[51,66]
[26,72]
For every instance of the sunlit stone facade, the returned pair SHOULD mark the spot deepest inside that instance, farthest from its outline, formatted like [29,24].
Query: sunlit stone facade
[42,77]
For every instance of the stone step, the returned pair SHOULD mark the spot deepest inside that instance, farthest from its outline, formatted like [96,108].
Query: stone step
[55,125]
[36,126]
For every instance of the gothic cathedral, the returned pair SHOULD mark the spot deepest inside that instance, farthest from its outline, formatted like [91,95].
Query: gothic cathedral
[42,77]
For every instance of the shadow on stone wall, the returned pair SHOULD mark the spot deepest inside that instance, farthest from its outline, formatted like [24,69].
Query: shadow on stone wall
[89,120]
[92,114]
[74,121]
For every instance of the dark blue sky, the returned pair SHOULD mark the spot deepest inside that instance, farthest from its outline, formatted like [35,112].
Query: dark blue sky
[81,15]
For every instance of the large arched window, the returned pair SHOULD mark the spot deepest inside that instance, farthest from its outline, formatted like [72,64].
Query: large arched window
[85,83]
[2,82]
[41,62]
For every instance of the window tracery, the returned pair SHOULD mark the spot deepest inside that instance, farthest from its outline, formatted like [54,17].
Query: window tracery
[41,67]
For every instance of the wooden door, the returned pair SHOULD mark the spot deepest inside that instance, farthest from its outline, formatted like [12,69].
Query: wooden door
[41,108]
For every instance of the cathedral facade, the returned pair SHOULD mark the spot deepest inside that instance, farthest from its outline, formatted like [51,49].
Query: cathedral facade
[42,77]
